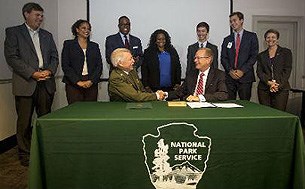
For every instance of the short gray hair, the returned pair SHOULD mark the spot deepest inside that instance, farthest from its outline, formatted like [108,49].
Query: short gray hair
[117,56]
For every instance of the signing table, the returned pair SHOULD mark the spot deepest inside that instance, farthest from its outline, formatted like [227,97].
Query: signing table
[113,145]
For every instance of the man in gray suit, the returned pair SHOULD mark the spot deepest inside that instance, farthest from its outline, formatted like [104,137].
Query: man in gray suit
[31,53]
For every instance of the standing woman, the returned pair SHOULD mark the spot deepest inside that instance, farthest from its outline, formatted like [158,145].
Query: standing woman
[273,69]
[161,68]
[81,64]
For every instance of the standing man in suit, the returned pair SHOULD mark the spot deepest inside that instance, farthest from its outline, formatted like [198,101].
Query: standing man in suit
[203,84]
[123,39]
[31,53]
[238,55]
[202,31]
[124,82]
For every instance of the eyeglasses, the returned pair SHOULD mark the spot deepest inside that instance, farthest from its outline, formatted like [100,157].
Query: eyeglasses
[199,57]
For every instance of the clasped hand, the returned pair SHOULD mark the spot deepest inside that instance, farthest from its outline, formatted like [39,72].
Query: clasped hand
[84,84]
[274,86]
[236,74]
[41,75]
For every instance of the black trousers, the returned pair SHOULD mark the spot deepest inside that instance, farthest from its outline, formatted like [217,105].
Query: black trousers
[42,101]
[242,89]
[276,100]
[75,93]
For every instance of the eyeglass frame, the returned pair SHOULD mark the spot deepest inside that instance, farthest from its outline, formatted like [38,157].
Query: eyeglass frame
[200,57]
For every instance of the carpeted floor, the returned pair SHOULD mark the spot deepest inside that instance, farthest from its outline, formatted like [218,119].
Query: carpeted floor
[12,174]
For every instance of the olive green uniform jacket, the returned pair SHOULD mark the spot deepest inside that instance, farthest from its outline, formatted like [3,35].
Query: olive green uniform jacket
[127,87]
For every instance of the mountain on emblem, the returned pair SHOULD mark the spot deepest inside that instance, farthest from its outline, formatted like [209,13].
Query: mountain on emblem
[176,157]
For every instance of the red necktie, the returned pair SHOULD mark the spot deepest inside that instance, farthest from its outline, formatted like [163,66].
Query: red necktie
[199,90]
[126,42]
[237,45]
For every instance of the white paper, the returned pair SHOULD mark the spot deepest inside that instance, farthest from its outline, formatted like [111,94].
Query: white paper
[227,105]
[200,105]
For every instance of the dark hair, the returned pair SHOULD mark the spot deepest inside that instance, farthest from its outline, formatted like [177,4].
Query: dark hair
[28,7]
[277,33]
[122,17]
[153,39]
[238,14]
[77,25]
[203,25]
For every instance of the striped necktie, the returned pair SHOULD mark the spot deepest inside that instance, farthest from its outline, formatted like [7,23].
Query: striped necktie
[199,90]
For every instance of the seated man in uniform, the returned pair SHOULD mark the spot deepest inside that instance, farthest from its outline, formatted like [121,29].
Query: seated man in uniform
[124,82]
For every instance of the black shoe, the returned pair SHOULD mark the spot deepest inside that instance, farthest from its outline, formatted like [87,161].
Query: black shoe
[24,163]
[24,160]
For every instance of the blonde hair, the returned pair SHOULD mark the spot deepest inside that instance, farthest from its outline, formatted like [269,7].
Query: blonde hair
[118,55]
[208,52]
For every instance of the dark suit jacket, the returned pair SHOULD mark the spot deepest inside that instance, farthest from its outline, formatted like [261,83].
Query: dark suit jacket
[115,41]
[247,55]
[215,88]
[72,60]
[123,87]
[281,68]
[150,69]
[191,51]
[21,56]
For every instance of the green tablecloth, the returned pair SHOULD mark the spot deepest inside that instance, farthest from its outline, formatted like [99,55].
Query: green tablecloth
[101,145]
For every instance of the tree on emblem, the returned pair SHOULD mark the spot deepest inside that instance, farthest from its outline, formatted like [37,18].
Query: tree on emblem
[162,167]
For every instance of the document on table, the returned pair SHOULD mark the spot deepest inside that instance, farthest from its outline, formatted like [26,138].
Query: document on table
[227,105]
[200,105]
[213,105]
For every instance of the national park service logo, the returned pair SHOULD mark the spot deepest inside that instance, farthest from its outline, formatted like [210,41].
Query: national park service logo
[176,158]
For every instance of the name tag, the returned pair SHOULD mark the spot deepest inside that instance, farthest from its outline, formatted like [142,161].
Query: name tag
[229,45]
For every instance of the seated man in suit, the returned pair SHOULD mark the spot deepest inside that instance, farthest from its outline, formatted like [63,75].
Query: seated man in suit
[203,84]
[123,39]
[124,82]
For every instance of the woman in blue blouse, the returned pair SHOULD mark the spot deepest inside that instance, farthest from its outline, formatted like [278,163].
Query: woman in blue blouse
[81,64]
[161,68]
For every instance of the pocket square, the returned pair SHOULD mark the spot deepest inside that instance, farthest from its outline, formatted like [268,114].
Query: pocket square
[135,47]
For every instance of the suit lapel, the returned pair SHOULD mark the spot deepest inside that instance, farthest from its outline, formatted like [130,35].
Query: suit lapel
[243,39]
[232,49]
[118,36]
[130,78]
[209,79]
[78,47]
[43,45]
[135,80]
[26,34]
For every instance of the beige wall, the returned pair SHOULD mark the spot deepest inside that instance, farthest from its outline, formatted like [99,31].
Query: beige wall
[7,111]
[59,16]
